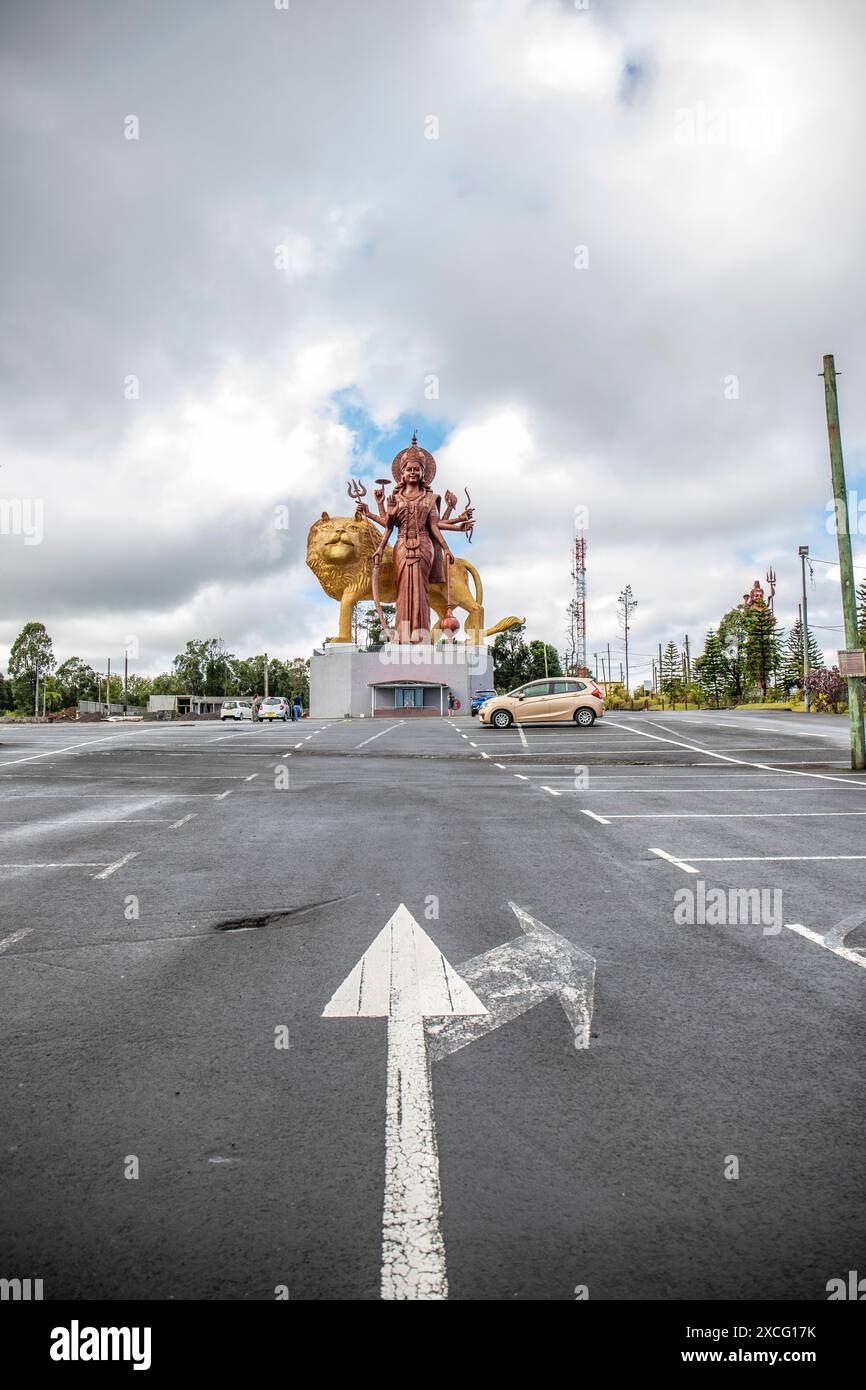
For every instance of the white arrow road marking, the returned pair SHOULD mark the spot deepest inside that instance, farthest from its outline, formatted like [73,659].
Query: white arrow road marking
[404,977]
[434,1010]
[15,937]
[834,939]
[515,977]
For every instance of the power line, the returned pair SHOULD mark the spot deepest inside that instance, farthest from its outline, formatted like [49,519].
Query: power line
[815,561]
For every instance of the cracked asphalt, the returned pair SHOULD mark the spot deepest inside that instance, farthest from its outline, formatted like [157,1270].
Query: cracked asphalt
[179,898]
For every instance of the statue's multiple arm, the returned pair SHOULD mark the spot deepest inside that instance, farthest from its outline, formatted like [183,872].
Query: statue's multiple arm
[436,529]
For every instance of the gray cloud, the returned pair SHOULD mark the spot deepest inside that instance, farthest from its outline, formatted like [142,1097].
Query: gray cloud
[687,149]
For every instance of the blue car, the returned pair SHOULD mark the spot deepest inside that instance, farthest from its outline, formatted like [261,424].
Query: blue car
[478,700]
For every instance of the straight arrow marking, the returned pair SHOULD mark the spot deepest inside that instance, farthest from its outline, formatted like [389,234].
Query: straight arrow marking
[404,977]
[434,1010]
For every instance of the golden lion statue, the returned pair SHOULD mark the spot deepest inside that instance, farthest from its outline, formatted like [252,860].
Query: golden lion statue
[340,551]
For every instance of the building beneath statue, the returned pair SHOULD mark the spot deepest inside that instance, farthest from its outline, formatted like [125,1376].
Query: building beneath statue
[396,681]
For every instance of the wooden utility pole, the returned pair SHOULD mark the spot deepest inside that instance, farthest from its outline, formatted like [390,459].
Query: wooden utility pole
[126,682]
[266,675]
[108,691]
[846,565]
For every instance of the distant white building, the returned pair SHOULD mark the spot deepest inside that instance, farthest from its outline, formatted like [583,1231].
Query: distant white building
[179,706]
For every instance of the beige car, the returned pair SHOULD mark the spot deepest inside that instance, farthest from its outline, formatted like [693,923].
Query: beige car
[560,700]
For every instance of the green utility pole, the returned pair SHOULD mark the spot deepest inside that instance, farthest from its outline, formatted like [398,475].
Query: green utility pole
[846,564]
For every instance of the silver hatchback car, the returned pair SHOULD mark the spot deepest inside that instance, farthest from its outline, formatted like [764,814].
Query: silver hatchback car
[236,709]
[274,707]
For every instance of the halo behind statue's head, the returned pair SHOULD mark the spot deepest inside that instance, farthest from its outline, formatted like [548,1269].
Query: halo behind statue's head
[414,454]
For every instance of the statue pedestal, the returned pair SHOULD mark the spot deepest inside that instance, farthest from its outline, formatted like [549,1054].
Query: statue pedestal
[397,681]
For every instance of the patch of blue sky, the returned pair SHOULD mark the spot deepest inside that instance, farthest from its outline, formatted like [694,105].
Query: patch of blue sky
[374,445]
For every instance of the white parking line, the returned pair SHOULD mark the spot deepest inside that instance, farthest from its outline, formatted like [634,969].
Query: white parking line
[252,777]
[601,820]
[69,748]
[844,951]
[680,863]
[222,796]
[742,762]
[766,858]
[552,792]
[175,825]
[724,815]
[68,864]
[381,734]
[522,735]
[118,864]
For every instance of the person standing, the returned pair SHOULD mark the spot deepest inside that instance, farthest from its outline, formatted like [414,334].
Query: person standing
[452,704]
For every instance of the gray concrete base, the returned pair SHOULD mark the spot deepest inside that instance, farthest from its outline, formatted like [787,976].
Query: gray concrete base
[347,680]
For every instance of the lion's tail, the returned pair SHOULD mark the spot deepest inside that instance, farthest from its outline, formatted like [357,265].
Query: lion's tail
[479,588]
[504,625]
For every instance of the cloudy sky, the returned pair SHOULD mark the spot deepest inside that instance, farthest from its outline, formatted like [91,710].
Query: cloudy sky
[594,252]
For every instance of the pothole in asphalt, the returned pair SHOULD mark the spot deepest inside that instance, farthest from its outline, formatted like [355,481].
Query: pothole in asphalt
[262,919]
[280,914]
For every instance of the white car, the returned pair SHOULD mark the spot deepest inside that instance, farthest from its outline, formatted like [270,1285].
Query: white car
[274,707]
[236,709]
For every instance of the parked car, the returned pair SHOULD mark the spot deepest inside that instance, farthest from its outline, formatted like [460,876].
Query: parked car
[274,707]
[236,709]
[478,699]
[560,700]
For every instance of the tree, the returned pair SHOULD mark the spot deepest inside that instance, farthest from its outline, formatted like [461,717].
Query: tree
[761,649]
[202,667]
[165,684]
[511,659]
[571,639]
[369,624]
[535,666]
[75,681]
[7,699]
[138,689]
[829,688]
[626,604]
[31,658]
[672,671]
[732,635]
[791,660]
[711,669]
[299,679]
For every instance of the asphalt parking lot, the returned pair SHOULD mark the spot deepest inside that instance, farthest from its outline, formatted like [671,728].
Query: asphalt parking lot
[181,901]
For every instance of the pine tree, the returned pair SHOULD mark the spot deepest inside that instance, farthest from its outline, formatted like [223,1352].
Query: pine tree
[791,665]
[732,636]
[761,645]
[672,671]
[712,669]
